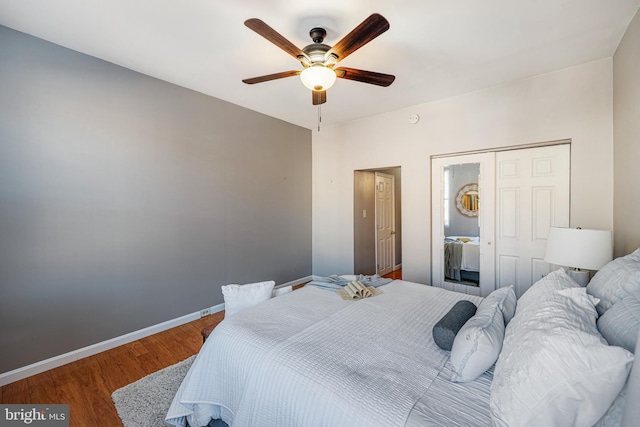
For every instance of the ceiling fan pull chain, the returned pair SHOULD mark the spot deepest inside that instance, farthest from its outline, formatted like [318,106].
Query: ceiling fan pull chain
[319,116]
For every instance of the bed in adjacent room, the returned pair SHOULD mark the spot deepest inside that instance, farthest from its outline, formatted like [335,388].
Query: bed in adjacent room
[310,358]
[462,258]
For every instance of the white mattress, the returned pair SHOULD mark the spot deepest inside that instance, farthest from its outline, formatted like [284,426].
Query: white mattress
[471,256]
[308,358]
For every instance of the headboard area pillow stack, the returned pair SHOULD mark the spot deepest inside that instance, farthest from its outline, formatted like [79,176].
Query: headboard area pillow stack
[617,286]
[615,280]
[620,324]
[555,368]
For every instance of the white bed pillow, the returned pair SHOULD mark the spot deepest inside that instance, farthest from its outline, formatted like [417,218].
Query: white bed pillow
[620,324]
[239,297]
[555,368]
[554,281]
[506,300]
[618,278]
[478,343]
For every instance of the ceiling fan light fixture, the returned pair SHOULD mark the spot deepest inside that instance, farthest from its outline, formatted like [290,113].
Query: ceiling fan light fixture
[318,59]
[318,77]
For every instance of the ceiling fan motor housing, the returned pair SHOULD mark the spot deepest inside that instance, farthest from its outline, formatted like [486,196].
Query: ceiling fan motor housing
[317,34]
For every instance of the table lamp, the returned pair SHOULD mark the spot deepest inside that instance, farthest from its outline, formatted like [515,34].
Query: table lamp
[578,249]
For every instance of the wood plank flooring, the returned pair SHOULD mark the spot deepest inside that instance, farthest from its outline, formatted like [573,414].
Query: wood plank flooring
[87,384]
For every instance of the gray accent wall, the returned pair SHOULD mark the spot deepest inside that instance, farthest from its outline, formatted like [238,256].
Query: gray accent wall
[126,201]
[626,141]
[364,229]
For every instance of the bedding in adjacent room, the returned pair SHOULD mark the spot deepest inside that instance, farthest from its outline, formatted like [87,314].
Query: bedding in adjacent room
[461,254]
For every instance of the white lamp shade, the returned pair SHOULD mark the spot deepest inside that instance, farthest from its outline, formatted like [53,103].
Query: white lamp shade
[579,248]
[318,77]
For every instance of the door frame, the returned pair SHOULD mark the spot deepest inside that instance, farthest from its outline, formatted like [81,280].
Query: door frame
[364,228]
[486,221]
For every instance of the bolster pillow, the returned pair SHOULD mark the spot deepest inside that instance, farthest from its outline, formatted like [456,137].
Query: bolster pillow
[444,332]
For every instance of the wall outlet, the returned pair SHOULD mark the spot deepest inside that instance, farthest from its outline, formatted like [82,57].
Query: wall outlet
[205,312]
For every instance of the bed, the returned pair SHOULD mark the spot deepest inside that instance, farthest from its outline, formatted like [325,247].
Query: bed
[462,258]
[306,349]
[309,358]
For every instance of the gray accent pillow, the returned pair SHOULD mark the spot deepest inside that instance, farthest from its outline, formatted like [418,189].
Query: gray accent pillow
[620,324]
[444,332]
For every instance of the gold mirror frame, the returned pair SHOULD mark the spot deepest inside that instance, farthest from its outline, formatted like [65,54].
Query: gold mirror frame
[467,200]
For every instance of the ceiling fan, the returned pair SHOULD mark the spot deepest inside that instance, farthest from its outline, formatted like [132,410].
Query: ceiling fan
[319,59]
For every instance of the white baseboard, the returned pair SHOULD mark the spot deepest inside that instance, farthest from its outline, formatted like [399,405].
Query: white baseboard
[296,282]
[72,356]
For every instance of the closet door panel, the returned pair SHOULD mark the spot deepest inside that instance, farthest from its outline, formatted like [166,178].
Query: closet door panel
[509,213]
[540,178]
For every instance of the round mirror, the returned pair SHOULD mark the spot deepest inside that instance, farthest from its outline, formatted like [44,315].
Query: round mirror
[467,200]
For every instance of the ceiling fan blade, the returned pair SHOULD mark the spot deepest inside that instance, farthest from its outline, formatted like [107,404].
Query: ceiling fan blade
[363,76]
[318,97]
[269,77]
[274,37]
[368,30]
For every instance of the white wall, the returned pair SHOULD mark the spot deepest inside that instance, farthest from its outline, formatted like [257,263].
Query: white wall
[574,103]
[626,113]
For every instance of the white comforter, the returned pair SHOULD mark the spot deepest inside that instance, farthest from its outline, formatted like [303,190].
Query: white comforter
[308,358]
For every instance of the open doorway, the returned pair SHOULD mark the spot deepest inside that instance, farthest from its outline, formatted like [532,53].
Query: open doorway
[377,221]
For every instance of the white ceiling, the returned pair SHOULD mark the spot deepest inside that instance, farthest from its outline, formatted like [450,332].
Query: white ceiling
[435,48]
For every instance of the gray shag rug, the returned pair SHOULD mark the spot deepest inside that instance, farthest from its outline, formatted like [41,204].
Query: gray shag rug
[145,402]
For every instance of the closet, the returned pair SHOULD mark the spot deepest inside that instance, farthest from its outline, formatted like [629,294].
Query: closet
[491,231]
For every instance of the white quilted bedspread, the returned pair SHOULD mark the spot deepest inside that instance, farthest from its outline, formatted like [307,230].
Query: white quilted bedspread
[308,358]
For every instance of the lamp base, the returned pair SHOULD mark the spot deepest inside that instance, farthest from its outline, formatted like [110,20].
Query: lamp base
[582,277]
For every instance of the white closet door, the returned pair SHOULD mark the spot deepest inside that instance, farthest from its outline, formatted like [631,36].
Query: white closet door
[532,192]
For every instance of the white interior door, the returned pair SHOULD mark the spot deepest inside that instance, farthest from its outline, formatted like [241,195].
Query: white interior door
[532,190]
[486,221]
[385,221]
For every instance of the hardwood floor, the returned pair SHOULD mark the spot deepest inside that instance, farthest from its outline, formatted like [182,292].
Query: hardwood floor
[87,384]
[396,275]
